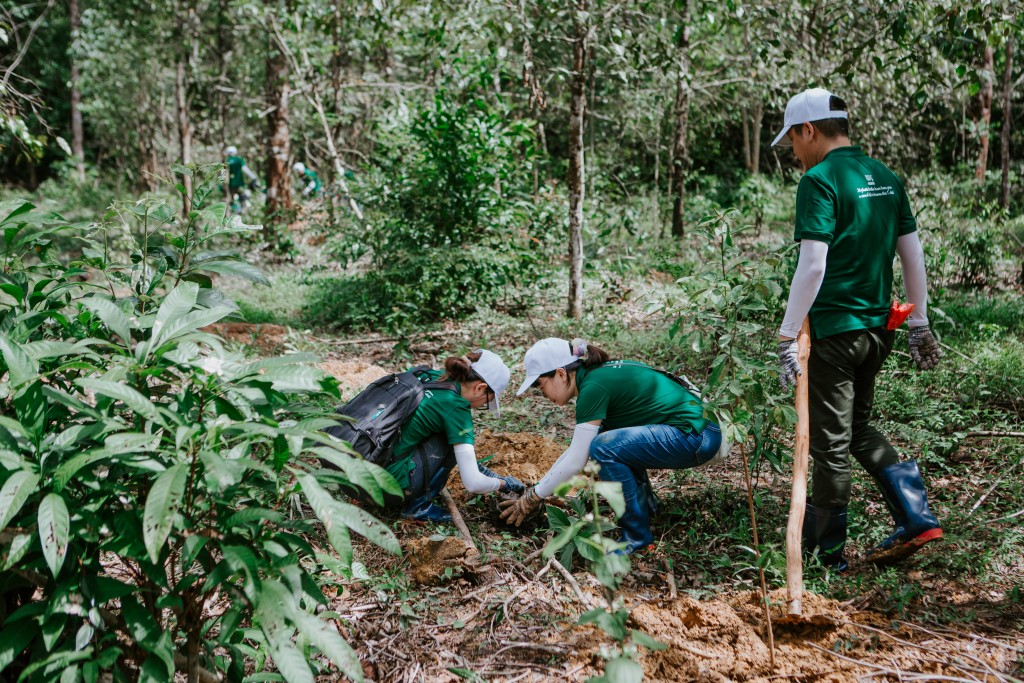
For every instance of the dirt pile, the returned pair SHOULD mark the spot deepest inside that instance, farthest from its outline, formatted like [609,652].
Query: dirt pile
[352,376]
[726,640]
[429,557]
[268,339]
[527,457]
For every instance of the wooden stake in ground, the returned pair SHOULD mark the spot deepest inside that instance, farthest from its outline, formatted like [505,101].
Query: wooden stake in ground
[798,501]
[487,572]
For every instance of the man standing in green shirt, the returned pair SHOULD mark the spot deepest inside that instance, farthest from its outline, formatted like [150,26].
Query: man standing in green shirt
[238,171]
[852,217]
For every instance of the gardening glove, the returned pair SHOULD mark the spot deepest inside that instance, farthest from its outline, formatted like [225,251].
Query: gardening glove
[515,511]
[924,349]
[510,483]
[513,485]
[789,364]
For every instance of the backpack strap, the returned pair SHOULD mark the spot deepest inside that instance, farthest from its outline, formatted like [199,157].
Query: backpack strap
[440,386]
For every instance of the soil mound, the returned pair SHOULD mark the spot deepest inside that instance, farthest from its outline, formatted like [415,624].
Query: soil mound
[352,377]
[267,338]
[525,456]
[726,640]
[430,556]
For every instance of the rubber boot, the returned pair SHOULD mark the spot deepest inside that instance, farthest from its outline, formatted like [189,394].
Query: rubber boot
[904,493]
[825,532]
[421,508]
[635,525]
[653,504]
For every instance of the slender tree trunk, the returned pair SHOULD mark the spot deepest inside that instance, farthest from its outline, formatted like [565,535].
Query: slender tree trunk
[183,69]
[577,112]
[77,135]
[1004,197]
[279,186]
[755,137]
[745,125]
[680,149]
[985,95]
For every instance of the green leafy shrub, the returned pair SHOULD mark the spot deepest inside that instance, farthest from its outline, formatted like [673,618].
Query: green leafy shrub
[451,221]
[147,474]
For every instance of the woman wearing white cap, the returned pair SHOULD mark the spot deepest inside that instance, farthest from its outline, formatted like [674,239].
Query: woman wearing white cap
[630,418]
[439,435]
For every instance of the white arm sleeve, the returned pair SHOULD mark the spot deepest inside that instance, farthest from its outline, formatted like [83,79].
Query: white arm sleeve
[571,462]
[912,261]
[249,172]
[309,188]
[810,271]
[472,478]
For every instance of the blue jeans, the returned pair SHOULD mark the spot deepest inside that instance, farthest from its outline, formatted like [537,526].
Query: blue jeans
[626,454]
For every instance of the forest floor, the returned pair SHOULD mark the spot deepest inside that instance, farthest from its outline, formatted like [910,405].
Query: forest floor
[442,613]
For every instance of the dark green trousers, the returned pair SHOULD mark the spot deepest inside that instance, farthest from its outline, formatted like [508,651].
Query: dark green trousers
[842,370]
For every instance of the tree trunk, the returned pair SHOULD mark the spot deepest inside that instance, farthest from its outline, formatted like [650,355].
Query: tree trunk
[985,95]
[755,137]
[745,125]
[1004,197]
[680,149]
[577,109]
[77,136]
[183,68]
[279,186]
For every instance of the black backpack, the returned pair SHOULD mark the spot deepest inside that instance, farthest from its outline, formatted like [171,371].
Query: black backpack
[373,420]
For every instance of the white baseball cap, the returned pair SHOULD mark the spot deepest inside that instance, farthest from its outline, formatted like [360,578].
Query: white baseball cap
[494,373]
[810,105]
[299,167]
[231,150]
[545,356]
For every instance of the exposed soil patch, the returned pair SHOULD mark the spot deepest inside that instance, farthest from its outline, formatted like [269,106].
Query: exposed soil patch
[527,457]
[726,640]
[352,377]
[429,558]
[267,338]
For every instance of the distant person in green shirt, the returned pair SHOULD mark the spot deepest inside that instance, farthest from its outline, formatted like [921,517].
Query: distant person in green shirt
[439,435]
[238,171]
[852,217]
[308,178]
[630,418]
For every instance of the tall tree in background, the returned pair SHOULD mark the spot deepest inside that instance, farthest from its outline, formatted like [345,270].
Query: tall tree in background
[186,16]
[680,150]
[77,135]
[1004,196]
[985,97]
[577,111]
[279,185]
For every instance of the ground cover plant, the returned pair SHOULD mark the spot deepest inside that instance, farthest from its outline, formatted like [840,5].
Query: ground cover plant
[480,174]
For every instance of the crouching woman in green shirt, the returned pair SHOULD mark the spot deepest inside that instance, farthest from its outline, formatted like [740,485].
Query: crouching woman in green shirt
[439,435]
[630,418]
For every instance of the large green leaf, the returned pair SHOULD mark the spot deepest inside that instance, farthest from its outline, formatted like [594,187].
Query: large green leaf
[191,322]
[121,392]
[54,531]
[275,605]
[175,305]
[16,490]
[20,365]
[373,479]
[323,508]
[12,208]
[334,513]
[161,506]
[67,471]
[236,268]
[13,640]
[325,638]
[611,491]
[112,316]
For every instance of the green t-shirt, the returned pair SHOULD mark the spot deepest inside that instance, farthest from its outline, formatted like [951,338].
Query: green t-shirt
[629,394]
[858,207]
[309,175]
[440,412]
[235,166]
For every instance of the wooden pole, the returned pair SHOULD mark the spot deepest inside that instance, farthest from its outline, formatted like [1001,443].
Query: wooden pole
[798,501]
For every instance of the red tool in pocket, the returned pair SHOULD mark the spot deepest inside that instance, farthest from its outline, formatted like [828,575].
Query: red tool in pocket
[898,313]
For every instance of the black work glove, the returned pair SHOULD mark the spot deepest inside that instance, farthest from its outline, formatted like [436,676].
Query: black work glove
[924,349]
[789,364]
